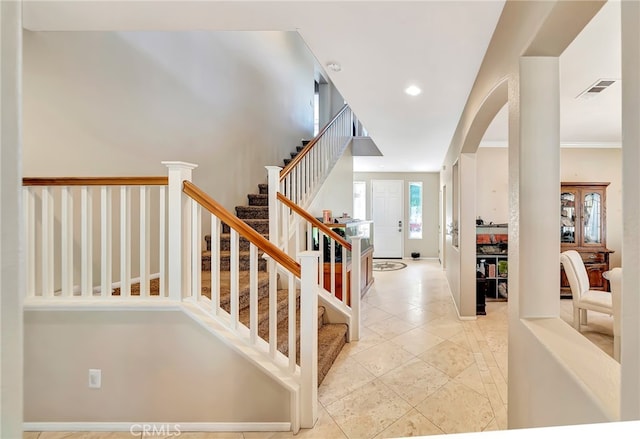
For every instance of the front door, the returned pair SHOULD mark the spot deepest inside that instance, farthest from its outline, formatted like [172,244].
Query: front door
[386,208]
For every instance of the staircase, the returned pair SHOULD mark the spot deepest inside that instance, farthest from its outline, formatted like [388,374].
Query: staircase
[331,336]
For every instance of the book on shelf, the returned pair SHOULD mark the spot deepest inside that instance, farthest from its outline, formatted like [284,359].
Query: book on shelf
[492,270]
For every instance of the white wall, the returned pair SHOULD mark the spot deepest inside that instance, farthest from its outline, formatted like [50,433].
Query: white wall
[336,193]
[118,103]
[11,246]
[576,164]
[156,366]
[428,245]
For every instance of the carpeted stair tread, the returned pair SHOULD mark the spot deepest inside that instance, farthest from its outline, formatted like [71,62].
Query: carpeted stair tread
[244,261]
[282,310]
[243,284]
[252,212]
[225,242]
[331,339]
[258,199]
[260,225]
[263,188]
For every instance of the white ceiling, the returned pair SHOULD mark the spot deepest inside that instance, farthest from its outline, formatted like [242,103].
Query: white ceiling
[382,47]
[385,47]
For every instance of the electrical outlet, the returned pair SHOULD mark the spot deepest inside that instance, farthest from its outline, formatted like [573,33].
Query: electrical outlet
[95,378]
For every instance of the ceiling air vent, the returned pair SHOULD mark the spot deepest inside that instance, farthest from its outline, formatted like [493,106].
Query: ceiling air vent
[594,89]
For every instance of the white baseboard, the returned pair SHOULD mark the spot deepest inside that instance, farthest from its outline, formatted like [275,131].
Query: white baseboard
[159,429]
[465,318]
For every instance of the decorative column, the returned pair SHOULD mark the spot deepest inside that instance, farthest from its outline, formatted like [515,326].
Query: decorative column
[630,329]
[539,188]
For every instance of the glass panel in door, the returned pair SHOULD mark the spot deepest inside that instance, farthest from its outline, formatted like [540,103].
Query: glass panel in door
[568,217]
[591,217]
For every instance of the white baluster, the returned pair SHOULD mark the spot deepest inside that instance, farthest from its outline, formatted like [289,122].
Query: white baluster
[145,241]
[86,239]
[125,241]
[196,250]
[273,180]
[162,250]
[284,219]
[106,244]
[273,307]
[30,241]
[47,242]
[356,287]
[292,322]
[234,262]
[215,264]
[332,261]
[253,292]
[66,241]
[309,339]
[321,236]
[344,275]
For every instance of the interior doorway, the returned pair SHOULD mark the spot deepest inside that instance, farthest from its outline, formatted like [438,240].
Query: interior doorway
[387,215]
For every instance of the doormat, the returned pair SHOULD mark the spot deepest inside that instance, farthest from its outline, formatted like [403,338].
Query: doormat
[388,265]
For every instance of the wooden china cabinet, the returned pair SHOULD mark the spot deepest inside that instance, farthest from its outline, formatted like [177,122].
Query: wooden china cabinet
[583,227]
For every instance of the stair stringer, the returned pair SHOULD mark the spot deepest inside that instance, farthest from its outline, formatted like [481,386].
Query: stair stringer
[257,355]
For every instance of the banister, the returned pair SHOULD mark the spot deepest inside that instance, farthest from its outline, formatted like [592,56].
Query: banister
[304,214]
[95,181]
[298,158]
[236,223]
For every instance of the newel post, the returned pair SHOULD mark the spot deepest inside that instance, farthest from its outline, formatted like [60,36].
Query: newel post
[356,287]
[178,230]
[273,180]
[309,338]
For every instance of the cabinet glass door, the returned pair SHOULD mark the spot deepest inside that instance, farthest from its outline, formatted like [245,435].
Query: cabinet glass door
[568,217]
[592,205]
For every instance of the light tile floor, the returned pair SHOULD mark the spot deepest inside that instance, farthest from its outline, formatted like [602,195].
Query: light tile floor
[417,369]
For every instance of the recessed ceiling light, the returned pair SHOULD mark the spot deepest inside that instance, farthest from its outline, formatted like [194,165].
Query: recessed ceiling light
[334,66]
[413,90]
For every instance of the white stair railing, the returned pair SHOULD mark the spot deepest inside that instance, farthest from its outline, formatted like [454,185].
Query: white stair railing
[302,177]
[80,235]
[337,256]
[280,276]
[73,224]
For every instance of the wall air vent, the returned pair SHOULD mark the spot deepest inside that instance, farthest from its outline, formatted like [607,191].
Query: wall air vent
[596,88]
